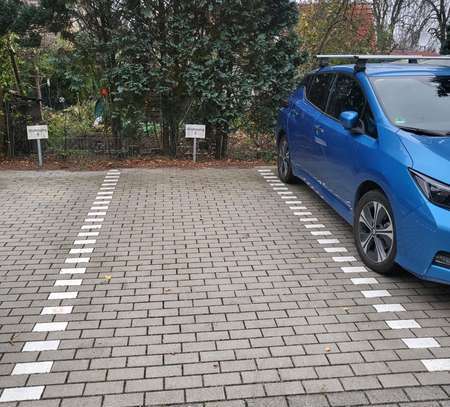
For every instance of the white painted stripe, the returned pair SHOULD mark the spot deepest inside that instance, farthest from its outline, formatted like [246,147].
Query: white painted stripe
[321,233]
[109,184]
[264,170]
[22,393]
[343,258]
[389,307]
[298,208]
[78,270]
[32,368]
[288,197]
[84,227]
[328,241]
[81,251]
[302,213]
[436,365]
[107,188]
[104,193]
[309,220]
[39,346]
[68,295]
[376,293]
[50,326]
[284,193]
[96,213]
[78,260]
[276,184]
[358,281]
[402,324]
[99,208]
[280,188]
[83,242]
[94,219]
[335,249]
[87,234]
[270,177]
[67,309]
[316,226]
[294,202]
[60,283]
[421,343]
[355,269]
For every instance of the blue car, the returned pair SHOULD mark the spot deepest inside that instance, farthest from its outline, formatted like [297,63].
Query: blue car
[373,140]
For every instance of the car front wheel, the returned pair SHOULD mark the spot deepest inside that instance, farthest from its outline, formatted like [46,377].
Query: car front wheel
[374,231]
[284,161]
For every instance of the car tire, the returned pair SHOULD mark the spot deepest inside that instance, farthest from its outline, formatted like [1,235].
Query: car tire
[284,161]
[374,232]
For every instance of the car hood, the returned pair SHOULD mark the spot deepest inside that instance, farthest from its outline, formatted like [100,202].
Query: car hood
[430,155]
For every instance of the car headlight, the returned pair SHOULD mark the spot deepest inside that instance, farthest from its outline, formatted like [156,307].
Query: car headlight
[435,191]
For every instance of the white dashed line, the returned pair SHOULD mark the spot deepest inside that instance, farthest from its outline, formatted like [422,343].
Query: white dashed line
[40,346]
[358,281]
[81,251]
[402,324]
[421,343]
[302,213]
[437,365]
[94,220]
[57,310]
[22,393]
[96,213]
[50,326]
[77,260]
[77,270]
[321,233]
[68,295]
[389,307]
[318,226]
[341,259]
[84,227]
[60,283]
[32,368]
[376,293]
[87,234]
[328,241]
[335,249]
[354,269]
[83,242]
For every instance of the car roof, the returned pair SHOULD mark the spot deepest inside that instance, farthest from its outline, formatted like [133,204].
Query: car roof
[390,69]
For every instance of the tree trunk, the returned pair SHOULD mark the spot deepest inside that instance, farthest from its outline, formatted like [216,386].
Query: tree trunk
[12,57]
[221,141]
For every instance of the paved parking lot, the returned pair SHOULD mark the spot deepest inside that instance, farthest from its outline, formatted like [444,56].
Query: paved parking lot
[203,288]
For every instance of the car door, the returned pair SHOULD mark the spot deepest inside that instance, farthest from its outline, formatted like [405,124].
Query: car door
[305,153]
[338,144]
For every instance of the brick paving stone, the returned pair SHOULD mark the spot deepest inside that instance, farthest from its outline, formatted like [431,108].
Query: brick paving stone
[217,291]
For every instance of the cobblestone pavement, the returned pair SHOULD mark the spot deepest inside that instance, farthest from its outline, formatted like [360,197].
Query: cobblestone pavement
[203,288]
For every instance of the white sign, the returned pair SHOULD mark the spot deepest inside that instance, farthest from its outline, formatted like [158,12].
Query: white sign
[37,132]
[195,131]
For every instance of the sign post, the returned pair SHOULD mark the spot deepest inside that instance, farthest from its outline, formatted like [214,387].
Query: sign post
[38,133]
[195,131]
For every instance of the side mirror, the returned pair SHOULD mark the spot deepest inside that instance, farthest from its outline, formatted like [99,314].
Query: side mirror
[349,120]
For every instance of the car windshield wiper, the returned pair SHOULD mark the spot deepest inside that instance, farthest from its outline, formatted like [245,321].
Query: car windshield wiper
[425,132]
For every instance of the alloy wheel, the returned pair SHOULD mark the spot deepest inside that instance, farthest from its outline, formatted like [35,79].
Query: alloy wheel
[284,159]
[376,231]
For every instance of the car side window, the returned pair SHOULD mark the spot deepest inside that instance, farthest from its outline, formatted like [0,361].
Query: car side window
[348,95]
[318,89]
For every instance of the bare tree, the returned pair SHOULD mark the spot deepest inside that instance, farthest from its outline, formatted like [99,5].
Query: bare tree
[440,14]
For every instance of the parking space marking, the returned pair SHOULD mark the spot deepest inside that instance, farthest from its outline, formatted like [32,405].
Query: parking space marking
[68,295]
[358,281]
[75,260]
[94,219]
[59,283]
[421,343]
[81,251]
[32,368]
[314,226]
[87,234]
[39,346]
[76,270]
[321,233]
[84,242]
[67,309]
[436,365]
[354,269]
[375,293]
[335,249]
[402,324]
[96,213]
[84,227]
[22,393]
[389,307]
[328,241]
[342,259]
[50,326]
[99,208]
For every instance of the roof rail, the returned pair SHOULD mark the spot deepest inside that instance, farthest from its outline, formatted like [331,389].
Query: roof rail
[361,60]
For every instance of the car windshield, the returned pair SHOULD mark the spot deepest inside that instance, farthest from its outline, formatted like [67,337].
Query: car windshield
[420,104]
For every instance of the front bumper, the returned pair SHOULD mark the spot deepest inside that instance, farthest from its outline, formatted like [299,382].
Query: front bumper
[420,236]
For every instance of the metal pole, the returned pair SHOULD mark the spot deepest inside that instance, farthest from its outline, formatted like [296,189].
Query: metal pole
[39,152]
[195,150]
